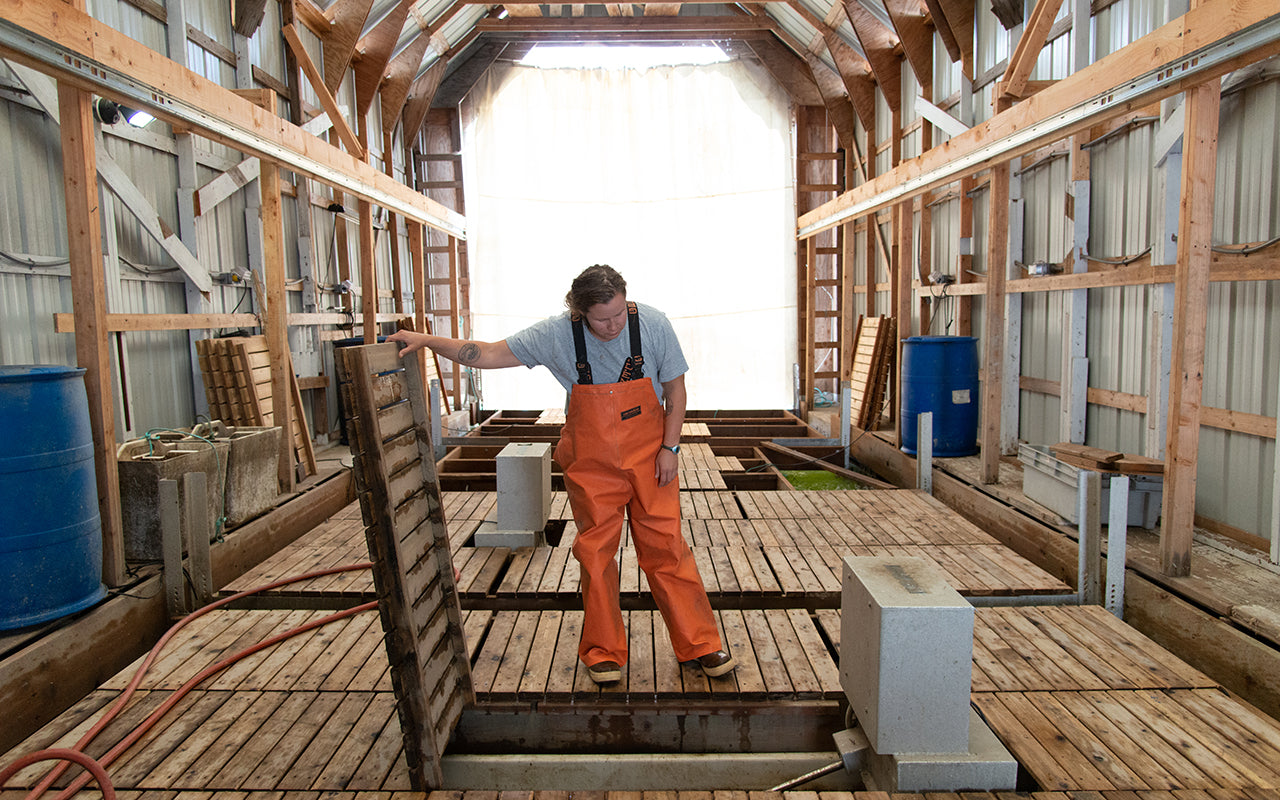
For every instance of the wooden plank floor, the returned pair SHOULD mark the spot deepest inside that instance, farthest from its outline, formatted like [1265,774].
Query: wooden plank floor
[1177,794]
[782,546]
[1084,702]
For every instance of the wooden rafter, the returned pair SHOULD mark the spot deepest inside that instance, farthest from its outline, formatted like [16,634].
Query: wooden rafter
[248,16]
[840,109]
[310,15]
[1023,60]
[960,18]
[661,9]
[855,73]
[1201,27]
[518,10]
[916,37]
[879,43]
[375,49]
[939,16]
[346,20]
[787,69]
[399,79]
[327,100]
[419,100]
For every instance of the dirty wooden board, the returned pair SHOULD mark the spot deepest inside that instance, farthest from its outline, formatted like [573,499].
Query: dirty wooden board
[973,570]
[345,655]
[1137,739]
[244,740]
[1211,794]
[395,471]
[1060,648]
[533,655]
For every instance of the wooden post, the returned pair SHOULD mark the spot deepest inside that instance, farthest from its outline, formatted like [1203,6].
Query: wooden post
[368,275]
[455,323]
[902,215]
[276,329]
[993,320]
[393,227]
[1190,312]
[418,270]
[89,302]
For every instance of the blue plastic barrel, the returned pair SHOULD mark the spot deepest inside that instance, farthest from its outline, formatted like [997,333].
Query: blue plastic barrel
[50,537]
[940,375]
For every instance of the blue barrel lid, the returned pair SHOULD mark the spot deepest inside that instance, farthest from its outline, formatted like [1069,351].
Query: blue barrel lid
[15,373]
[940,339]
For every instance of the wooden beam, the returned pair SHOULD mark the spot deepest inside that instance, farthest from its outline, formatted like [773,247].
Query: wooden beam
[45,92]
[368,274]
[993,320]
[398,78]
[310,15]
[916,36]
[419,100]
[879,43]
[840,109]
[275,329]
[1200,28]
[93,56]
[248,16]
[327,101]
[855,74]
[1034,35]
[901,271]
[89,301]
[960,15]
[346,21]
[943,27]
[375,49]
[1191,290]
[787,69]
[621,26]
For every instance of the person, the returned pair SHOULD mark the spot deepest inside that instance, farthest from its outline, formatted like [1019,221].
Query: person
[617,451]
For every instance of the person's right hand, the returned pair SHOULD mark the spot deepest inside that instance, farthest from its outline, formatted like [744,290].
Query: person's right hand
[412,340]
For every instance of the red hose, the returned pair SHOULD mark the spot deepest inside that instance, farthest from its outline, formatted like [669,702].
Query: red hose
[65,754]
[131,689]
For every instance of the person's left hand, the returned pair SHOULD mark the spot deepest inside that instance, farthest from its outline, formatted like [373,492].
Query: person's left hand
[667,467]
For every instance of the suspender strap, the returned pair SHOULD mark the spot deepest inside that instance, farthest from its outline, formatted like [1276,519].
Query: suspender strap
[580,351]
[633,367]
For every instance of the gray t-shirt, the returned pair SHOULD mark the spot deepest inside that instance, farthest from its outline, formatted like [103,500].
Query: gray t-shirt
[550,343]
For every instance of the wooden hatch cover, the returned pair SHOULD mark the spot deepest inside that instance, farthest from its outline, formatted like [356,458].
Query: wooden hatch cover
[395,473]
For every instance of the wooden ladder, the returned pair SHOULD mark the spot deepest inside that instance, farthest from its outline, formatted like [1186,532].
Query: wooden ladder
[820,268]
[448,304]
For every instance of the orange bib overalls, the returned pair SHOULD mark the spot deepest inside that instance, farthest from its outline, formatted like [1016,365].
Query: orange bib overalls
[607,452]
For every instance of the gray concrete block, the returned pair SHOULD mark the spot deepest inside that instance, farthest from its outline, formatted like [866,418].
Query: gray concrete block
[524,486]
[489,535]
[906,655]
[985,766]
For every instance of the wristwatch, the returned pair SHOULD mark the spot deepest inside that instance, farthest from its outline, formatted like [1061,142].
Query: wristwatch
[675,449]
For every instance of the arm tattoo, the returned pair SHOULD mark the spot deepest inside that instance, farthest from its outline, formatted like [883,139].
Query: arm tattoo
[469,353]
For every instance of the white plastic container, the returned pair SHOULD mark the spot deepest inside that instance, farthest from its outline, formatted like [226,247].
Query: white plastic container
[1053,484]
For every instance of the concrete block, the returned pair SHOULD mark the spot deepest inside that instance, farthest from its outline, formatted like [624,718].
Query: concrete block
[488,535]
[142,465]
[524,486]
[906,643]
[985,766]
[252,487]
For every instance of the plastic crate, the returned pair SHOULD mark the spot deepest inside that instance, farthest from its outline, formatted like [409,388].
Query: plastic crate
[1053,484]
